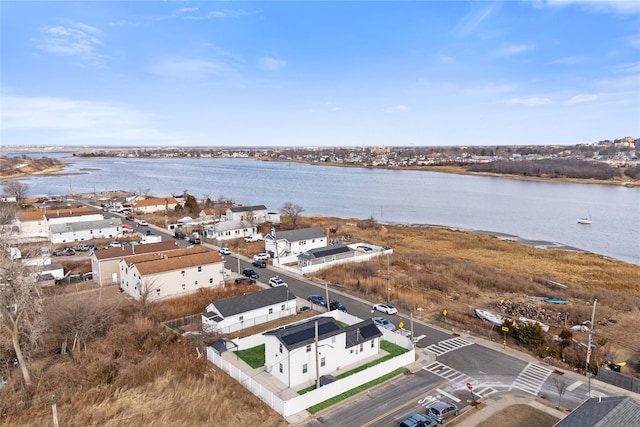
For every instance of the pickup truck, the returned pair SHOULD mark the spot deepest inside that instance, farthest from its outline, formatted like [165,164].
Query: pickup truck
[253,238]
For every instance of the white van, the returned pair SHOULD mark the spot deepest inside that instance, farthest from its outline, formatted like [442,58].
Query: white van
[253,238]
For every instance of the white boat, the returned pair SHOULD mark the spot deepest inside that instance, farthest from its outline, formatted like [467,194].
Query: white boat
[543,326]
[585,220]
[493,318]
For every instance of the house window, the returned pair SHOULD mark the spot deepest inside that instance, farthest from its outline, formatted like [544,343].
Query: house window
[184,286]
[281,368]
[196,283]
[282,307]
[372,344]
[280,347]
[361,346]
[242,319]
[270,310]
[210,279]
[308,348]
[182,272]
[199,268]
[304,368]
[158,292]
[322,361]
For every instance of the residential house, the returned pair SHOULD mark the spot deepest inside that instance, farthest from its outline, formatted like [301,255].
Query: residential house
[207,214]
[8,198]
[64,216]
[227,230]
[325,255]
[291,351]
[288,244]
[105,262]
[32,224]
[244,311]
[157,276]
[155,205]
[614,411]
[85,230]
[250,215]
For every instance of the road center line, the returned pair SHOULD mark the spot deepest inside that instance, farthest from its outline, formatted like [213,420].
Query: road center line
[391,411]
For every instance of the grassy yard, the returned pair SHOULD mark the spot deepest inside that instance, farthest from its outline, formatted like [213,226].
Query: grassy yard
[253,356]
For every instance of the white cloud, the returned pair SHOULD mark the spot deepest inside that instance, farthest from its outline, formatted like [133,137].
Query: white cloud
[531,101]
[633,40]
[78,119]
[511,49]
[191,68]
[445,58]
[580,98]
[474,18]
[569,60]
[599,6]
[187,10]
[271,64]
[396,108]
[76,39]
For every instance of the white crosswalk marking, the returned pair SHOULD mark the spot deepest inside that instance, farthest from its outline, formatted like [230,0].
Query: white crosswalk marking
[458,379]
[574,385]
[531,378]
[448,345]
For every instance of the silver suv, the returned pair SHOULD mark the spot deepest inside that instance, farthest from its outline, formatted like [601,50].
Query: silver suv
[442,411]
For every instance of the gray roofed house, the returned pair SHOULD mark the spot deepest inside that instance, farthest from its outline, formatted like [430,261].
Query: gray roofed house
[290,243]
[324,255]
[241,312]
[256,214]
[292,352]
[85,230]
[615,411]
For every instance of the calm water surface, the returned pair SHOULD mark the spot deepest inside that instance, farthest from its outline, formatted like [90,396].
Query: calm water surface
[531,210]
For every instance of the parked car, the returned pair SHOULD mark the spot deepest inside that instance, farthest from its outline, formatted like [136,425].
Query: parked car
[194,240]
[244,280]
[250,272]
[337,305]
[69,252]
[274,282]
[317,299]
[364,248]
[261,257]
[82,248]
[382,322]
[126,212]
[57,252]
[129,218]
[418,420]
[259,263]
[179,235]
[115,244]
[385,308]
[224,251]
[92,247]
[442,411]
[143,223]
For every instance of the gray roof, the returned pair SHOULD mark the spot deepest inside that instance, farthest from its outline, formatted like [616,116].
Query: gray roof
[324,252]
[228,226]
[301,234]
[248,208]
[244,303]
[85,225]
[304,333]
[613,411]
[362,332]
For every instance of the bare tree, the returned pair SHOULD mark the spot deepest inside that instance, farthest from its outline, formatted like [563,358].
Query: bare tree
[561,386]
[292,212]
[17,188]
[20,305]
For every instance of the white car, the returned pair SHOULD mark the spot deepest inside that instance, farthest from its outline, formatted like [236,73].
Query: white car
[115,245]
[143,222]
[224,251]
[261,257]
[385,308]
[274,282]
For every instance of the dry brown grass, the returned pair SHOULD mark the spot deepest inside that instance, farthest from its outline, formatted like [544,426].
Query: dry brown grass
[520,415]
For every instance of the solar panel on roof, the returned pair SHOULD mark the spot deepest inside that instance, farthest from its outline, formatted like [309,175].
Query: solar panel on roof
[331,251]
[309,333]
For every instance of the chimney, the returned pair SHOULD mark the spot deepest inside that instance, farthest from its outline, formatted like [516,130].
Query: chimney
[133,249]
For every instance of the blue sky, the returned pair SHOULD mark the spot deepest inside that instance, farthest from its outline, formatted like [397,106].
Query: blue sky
[319,73]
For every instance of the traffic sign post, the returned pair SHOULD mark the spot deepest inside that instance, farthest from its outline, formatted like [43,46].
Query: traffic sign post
[505,329]
[470,387]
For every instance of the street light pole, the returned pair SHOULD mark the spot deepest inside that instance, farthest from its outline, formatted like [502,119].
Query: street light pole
[593,315]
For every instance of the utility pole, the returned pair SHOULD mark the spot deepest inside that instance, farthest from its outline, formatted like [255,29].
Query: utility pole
[317,357]
[388,280]
[589,349]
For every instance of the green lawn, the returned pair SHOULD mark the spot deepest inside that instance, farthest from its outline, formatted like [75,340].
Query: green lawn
[253,356]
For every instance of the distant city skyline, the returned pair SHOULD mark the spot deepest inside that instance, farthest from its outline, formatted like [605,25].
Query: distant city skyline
[319,73]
